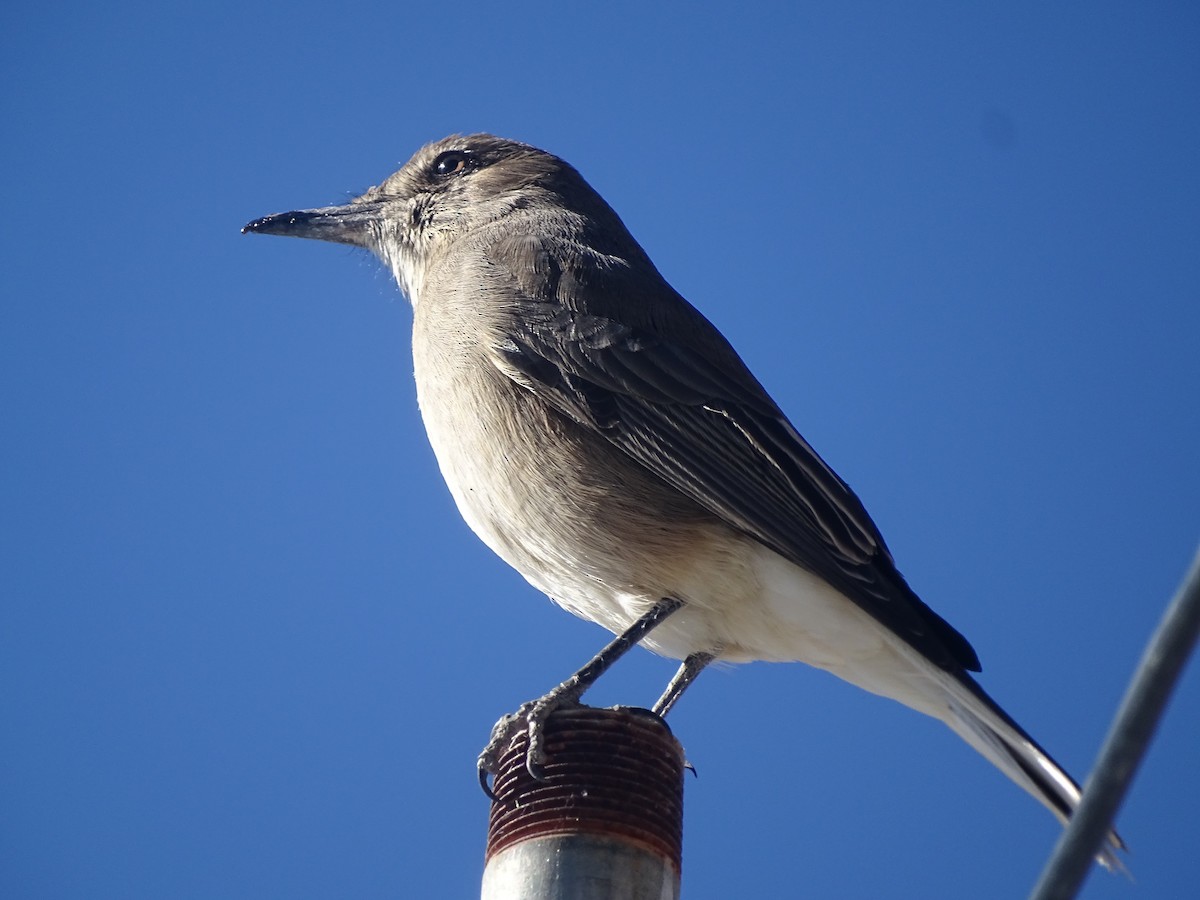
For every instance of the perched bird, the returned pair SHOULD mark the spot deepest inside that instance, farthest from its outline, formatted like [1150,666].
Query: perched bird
[602,437]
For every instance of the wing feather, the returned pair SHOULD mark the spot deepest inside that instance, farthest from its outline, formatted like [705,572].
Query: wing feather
[669,391]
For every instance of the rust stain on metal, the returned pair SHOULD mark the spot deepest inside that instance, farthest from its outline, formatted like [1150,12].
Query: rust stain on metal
[615,773]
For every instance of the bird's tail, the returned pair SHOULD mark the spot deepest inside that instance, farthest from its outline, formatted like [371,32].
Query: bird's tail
[980,721]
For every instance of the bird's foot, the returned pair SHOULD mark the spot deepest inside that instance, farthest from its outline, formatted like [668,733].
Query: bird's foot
[529,719]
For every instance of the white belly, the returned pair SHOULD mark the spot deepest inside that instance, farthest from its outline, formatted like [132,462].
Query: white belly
[605,540]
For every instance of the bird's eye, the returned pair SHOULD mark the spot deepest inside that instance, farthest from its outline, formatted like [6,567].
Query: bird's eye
[451,163]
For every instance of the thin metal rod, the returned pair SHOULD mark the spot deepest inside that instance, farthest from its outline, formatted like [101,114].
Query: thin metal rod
[1130,735]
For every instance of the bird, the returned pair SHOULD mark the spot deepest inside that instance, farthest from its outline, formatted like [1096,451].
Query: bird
[602,437]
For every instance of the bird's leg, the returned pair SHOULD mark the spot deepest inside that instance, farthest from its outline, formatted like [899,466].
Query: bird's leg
[688,672]
[532,716]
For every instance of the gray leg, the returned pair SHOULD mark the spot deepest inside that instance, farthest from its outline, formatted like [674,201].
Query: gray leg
[688,672]
[532,716]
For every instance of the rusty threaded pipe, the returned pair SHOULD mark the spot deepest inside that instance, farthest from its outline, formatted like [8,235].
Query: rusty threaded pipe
[605,822]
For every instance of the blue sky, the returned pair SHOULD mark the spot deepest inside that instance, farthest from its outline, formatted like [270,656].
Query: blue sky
[247,647]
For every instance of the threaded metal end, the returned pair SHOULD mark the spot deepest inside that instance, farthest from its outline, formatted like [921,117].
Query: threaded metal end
[609,773]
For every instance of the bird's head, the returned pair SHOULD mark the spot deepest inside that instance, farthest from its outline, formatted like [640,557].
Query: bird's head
[449,190]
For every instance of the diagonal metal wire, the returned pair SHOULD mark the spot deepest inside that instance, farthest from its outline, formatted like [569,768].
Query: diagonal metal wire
[1126,743]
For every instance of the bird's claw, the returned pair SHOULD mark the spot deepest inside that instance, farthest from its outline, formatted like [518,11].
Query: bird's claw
[529,720]
[506,732]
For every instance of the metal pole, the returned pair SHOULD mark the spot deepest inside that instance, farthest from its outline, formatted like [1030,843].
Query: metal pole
[606,821]
[1130,734]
